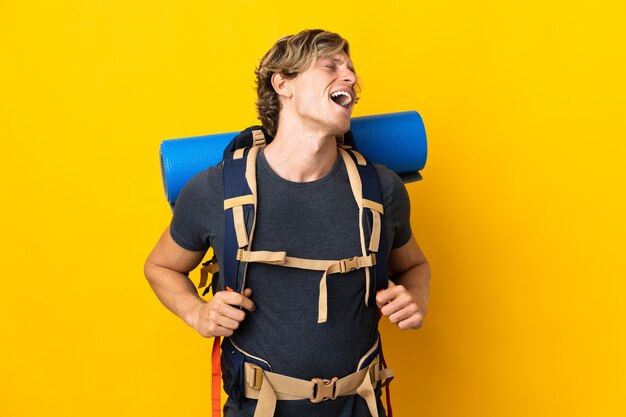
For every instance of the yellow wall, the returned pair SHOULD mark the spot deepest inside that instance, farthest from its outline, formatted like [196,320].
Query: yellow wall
[521,211]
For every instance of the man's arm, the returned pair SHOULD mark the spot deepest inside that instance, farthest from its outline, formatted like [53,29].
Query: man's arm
[405,302]
[167,270]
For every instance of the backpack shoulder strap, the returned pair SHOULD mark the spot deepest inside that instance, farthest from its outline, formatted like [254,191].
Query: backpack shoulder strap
[365,186]
[239,173]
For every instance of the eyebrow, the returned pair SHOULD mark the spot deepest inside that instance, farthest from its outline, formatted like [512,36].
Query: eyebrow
[339,62]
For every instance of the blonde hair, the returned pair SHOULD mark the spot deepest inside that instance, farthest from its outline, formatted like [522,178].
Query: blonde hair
[290,56]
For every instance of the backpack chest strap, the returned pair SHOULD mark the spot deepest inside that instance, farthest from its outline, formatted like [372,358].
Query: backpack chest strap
[340,266]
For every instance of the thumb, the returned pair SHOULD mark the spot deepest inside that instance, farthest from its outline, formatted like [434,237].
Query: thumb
[381,297]
[247,292]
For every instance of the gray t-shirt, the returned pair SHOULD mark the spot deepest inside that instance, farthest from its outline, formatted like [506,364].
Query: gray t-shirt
[315,220]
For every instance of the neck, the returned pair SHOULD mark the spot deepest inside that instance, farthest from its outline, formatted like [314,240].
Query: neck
[301,155]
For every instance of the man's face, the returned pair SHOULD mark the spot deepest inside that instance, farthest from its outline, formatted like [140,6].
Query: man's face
[324,95]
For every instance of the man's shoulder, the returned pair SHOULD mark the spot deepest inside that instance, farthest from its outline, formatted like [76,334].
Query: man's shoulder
[389,180]
[206,185]
[393,190]
[208,178]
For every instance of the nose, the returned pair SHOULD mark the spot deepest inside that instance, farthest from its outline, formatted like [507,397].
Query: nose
[349,76]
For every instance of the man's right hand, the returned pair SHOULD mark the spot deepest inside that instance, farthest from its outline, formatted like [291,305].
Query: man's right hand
[222,314]
[167,270]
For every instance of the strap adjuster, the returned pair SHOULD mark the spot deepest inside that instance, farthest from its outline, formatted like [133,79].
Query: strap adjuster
[255,378]
[209,267]
[258,138]
[348,265]
[323,389]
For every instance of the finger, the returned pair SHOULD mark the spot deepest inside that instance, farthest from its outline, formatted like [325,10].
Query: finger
[247,303]
[227,323]
[237,300]
[383,297]
[221,331]
[401,299]
[221,309]
[247,292]
[405,313]
[413,322]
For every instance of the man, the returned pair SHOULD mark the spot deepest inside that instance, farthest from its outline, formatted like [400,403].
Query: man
[306,92]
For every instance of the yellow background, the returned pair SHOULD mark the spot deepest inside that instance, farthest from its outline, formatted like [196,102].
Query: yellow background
[521,211]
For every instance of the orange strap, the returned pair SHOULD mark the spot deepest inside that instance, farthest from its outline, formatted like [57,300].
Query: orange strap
[216,375]
[388,395]
[216,381]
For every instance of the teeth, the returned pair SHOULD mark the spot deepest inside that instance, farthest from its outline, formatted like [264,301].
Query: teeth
[342,98]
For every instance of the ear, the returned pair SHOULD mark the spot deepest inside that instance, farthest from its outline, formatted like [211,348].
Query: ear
[281,85]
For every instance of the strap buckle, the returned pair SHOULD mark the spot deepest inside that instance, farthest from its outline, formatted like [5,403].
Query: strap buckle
[348,265]
[378,374]
[243,255]
[209,267]
[255,376]
[258,138]
[323,389]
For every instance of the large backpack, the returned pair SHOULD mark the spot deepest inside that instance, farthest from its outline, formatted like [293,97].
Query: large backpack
[240,198]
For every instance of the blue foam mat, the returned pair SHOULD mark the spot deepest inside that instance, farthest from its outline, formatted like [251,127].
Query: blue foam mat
[396,140]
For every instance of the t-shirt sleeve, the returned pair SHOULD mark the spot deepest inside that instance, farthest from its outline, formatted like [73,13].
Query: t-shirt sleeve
[397,206]
[189,227]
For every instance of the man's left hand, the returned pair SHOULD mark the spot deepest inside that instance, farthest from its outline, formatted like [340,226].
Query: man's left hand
[397,303]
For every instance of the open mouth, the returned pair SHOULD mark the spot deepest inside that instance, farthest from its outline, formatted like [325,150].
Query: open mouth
[343,98]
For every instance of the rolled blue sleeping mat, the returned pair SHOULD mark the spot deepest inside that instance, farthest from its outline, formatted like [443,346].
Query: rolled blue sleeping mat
[396,140]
